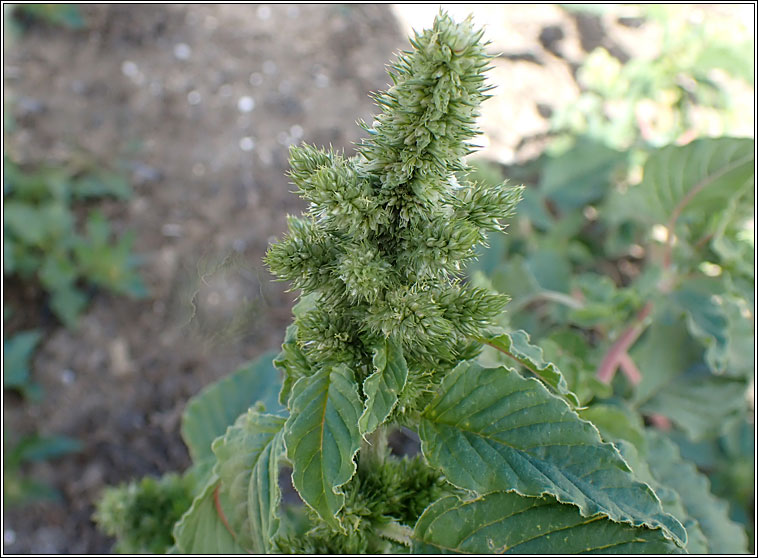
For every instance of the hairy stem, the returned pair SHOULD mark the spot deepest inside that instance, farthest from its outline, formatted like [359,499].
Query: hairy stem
[373,449]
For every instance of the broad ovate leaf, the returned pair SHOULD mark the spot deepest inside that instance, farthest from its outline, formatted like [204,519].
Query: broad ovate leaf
[322,437]
[211,411]
[702,405]
[490,429]
[508,523]
[383,386]
[700,176]
[248,467]
[202,528]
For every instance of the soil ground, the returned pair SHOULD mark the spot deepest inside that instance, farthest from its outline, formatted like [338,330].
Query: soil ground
[198,103]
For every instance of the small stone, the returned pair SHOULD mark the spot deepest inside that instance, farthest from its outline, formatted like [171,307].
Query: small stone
[182,51]
[121,362]
[9,536]
[246,104]
[247,144]
[296,131]
[263,13]
[68,376]
[129,69]
[172,229]
[269,67]
[194,97]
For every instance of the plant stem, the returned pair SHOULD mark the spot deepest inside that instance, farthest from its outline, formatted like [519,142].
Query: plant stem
[554,296]
[373,449]
[616,353]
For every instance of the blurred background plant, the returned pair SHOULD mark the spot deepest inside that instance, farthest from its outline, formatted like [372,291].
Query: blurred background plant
[49,246]
[42,244]
[633,246]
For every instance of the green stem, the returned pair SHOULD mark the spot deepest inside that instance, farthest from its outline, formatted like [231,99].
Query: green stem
[373,449]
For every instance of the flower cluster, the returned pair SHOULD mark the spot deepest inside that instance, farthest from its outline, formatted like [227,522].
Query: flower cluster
[388,230]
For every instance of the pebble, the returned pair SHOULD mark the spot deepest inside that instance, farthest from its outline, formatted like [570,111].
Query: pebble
[129,68]
[247,144]
[263,13]
[296,131]
[194,97]
[245,104]
[121,362]
[182,51]
[172,229]
[68,376]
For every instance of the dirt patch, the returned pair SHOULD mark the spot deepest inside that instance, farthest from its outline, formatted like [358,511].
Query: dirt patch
[197,104]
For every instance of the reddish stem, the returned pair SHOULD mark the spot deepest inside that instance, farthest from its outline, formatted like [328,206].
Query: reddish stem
[660,422]
[616,353]
[629,368]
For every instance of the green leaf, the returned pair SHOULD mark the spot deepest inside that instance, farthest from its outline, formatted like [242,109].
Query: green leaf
[25,222]
[248,466]
[211,411]
[670,499]
[67,302]
[292,362]
[700,176]
[706,318]
[701,404]
[715,318]
[100,185]
[616,421]
[723,535]
[201,529]
[321,436]
[17,354]
[383,386]
[516,345]
[508,523]
[58,272]
[581,175]
[493,430]
[41,448]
